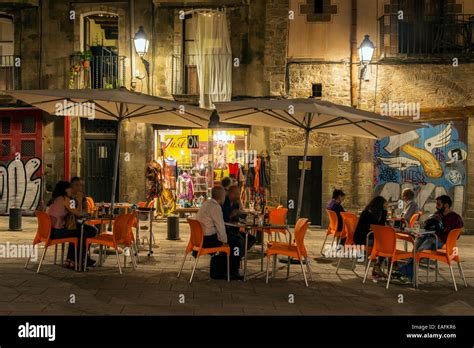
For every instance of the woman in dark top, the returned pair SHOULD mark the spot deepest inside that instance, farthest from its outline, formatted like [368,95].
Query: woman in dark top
[375,213]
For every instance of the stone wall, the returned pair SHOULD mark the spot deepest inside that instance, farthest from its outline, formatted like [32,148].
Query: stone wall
[276,42]
[469,199]
[434,86]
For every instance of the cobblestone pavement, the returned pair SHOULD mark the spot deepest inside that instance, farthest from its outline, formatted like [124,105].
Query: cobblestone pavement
[154,289]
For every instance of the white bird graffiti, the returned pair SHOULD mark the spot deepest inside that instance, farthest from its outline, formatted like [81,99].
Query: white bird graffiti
[442,139]
[439,140]
[400,163]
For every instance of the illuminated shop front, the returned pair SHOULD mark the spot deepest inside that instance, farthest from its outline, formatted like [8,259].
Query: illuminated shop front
[194,160]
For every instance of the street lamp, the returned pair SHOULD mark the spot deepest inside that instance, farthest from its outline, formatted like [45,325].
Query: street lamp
[141,43]
[366,52]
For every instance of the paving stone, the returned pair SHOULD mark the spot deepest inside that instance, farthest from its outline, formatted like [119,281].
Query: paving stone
[154,289]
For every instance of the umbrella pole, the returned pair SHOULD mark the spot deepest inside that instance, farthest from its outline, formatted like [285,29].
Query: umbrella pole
[303,172]
[116,163]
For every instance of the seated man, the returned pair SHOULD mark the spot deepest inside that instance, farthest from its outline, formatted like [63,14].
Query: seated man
[231,210]
[450,221]
[212,222]
[335,204]
[410,206]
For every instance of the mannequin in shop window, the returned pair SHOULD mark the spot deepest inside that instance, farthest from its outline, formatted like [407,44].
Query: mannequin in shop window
[185,187]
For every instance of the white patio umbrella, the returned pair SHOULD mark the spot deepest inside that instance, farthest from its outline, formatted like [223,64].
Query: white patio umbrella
[115,104]
[311,115]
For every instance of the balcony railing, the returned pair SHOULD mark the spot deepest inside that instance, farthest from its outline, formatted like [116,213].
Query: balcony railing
[105,71]
[9,73]
[428,35]
[185,81]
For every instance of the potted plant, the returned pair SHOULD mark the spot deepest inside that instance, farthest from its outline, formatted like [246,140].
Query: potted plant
[74,71]
[86,59]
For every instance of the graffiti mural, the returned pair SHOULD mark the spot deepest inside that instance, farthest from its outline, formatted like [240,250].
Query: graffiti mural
[18,186]
[431,161]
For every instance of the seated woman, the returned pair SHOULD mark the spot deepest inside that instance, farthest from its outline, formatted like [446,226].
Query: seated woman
[375,213]
[59,207]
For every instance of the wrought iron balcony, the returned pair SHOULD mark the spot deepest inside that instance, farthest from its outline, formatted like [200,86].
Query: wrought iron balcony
[434,36]
[9,73]
[104,71]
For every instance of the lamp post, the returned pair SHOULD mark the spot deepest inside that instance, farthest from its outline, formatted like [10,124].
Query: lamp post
[141,43]
[366,52]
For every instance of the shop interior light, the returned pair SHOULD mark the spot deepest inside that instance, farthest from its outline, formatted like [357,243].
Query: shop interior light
[224,137]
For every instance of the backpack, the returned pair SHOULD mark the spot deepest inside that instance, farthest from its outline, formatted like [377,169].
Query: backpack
[219,266]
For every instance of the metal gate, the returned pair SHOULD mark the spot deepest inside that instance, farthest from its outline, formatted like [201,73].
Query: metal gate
[99,169]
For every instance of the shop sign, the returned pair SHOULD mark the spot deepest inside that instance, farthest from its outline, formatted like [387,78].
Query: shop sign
[308,165]
[193,141]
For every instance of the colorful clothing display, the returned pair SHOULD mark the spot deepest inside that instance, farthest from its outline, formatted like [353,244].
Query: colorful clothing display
[256,183]
[234,169]
[170,173]
[154,180]
[264,173]
[185,187]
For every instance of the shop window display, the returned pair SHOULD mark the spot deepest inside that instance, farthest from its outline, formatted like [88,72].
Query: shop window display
[188,174]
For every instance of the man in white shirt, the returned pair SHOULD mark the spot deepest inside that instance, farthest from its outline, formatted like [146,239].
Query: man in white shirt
[212,221]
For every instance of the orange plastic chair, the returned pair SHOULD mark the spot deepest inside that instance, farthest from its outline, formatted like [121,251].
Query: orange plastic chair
[446,255]
[121,235]
[350,221]
[195,244]
[277,217]
[43,234]
[143,204]
[91,208]
[332,229]
[385,245]
[296,250]
[416,217]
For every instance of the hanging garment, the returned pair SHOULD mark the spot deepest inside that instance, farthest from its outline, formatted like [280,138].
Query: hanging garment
[241,176]
[154,180]
[234,170]
[264,173]
[185,188]
[250,177]
[170,173]
[256,184]
[166,203]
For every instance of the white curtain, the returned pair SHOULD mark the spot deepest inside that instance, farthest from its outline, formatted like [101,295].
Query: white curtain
[213,57]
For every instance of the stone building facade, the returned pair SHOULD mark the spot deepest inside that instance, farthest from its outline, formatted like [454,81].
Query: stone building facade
[318,51]
[285,48]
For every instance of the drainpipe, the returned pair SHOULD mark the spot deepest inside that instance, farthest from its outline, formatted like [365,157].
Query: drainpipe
[353,53]
[67,147]
[132,50]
